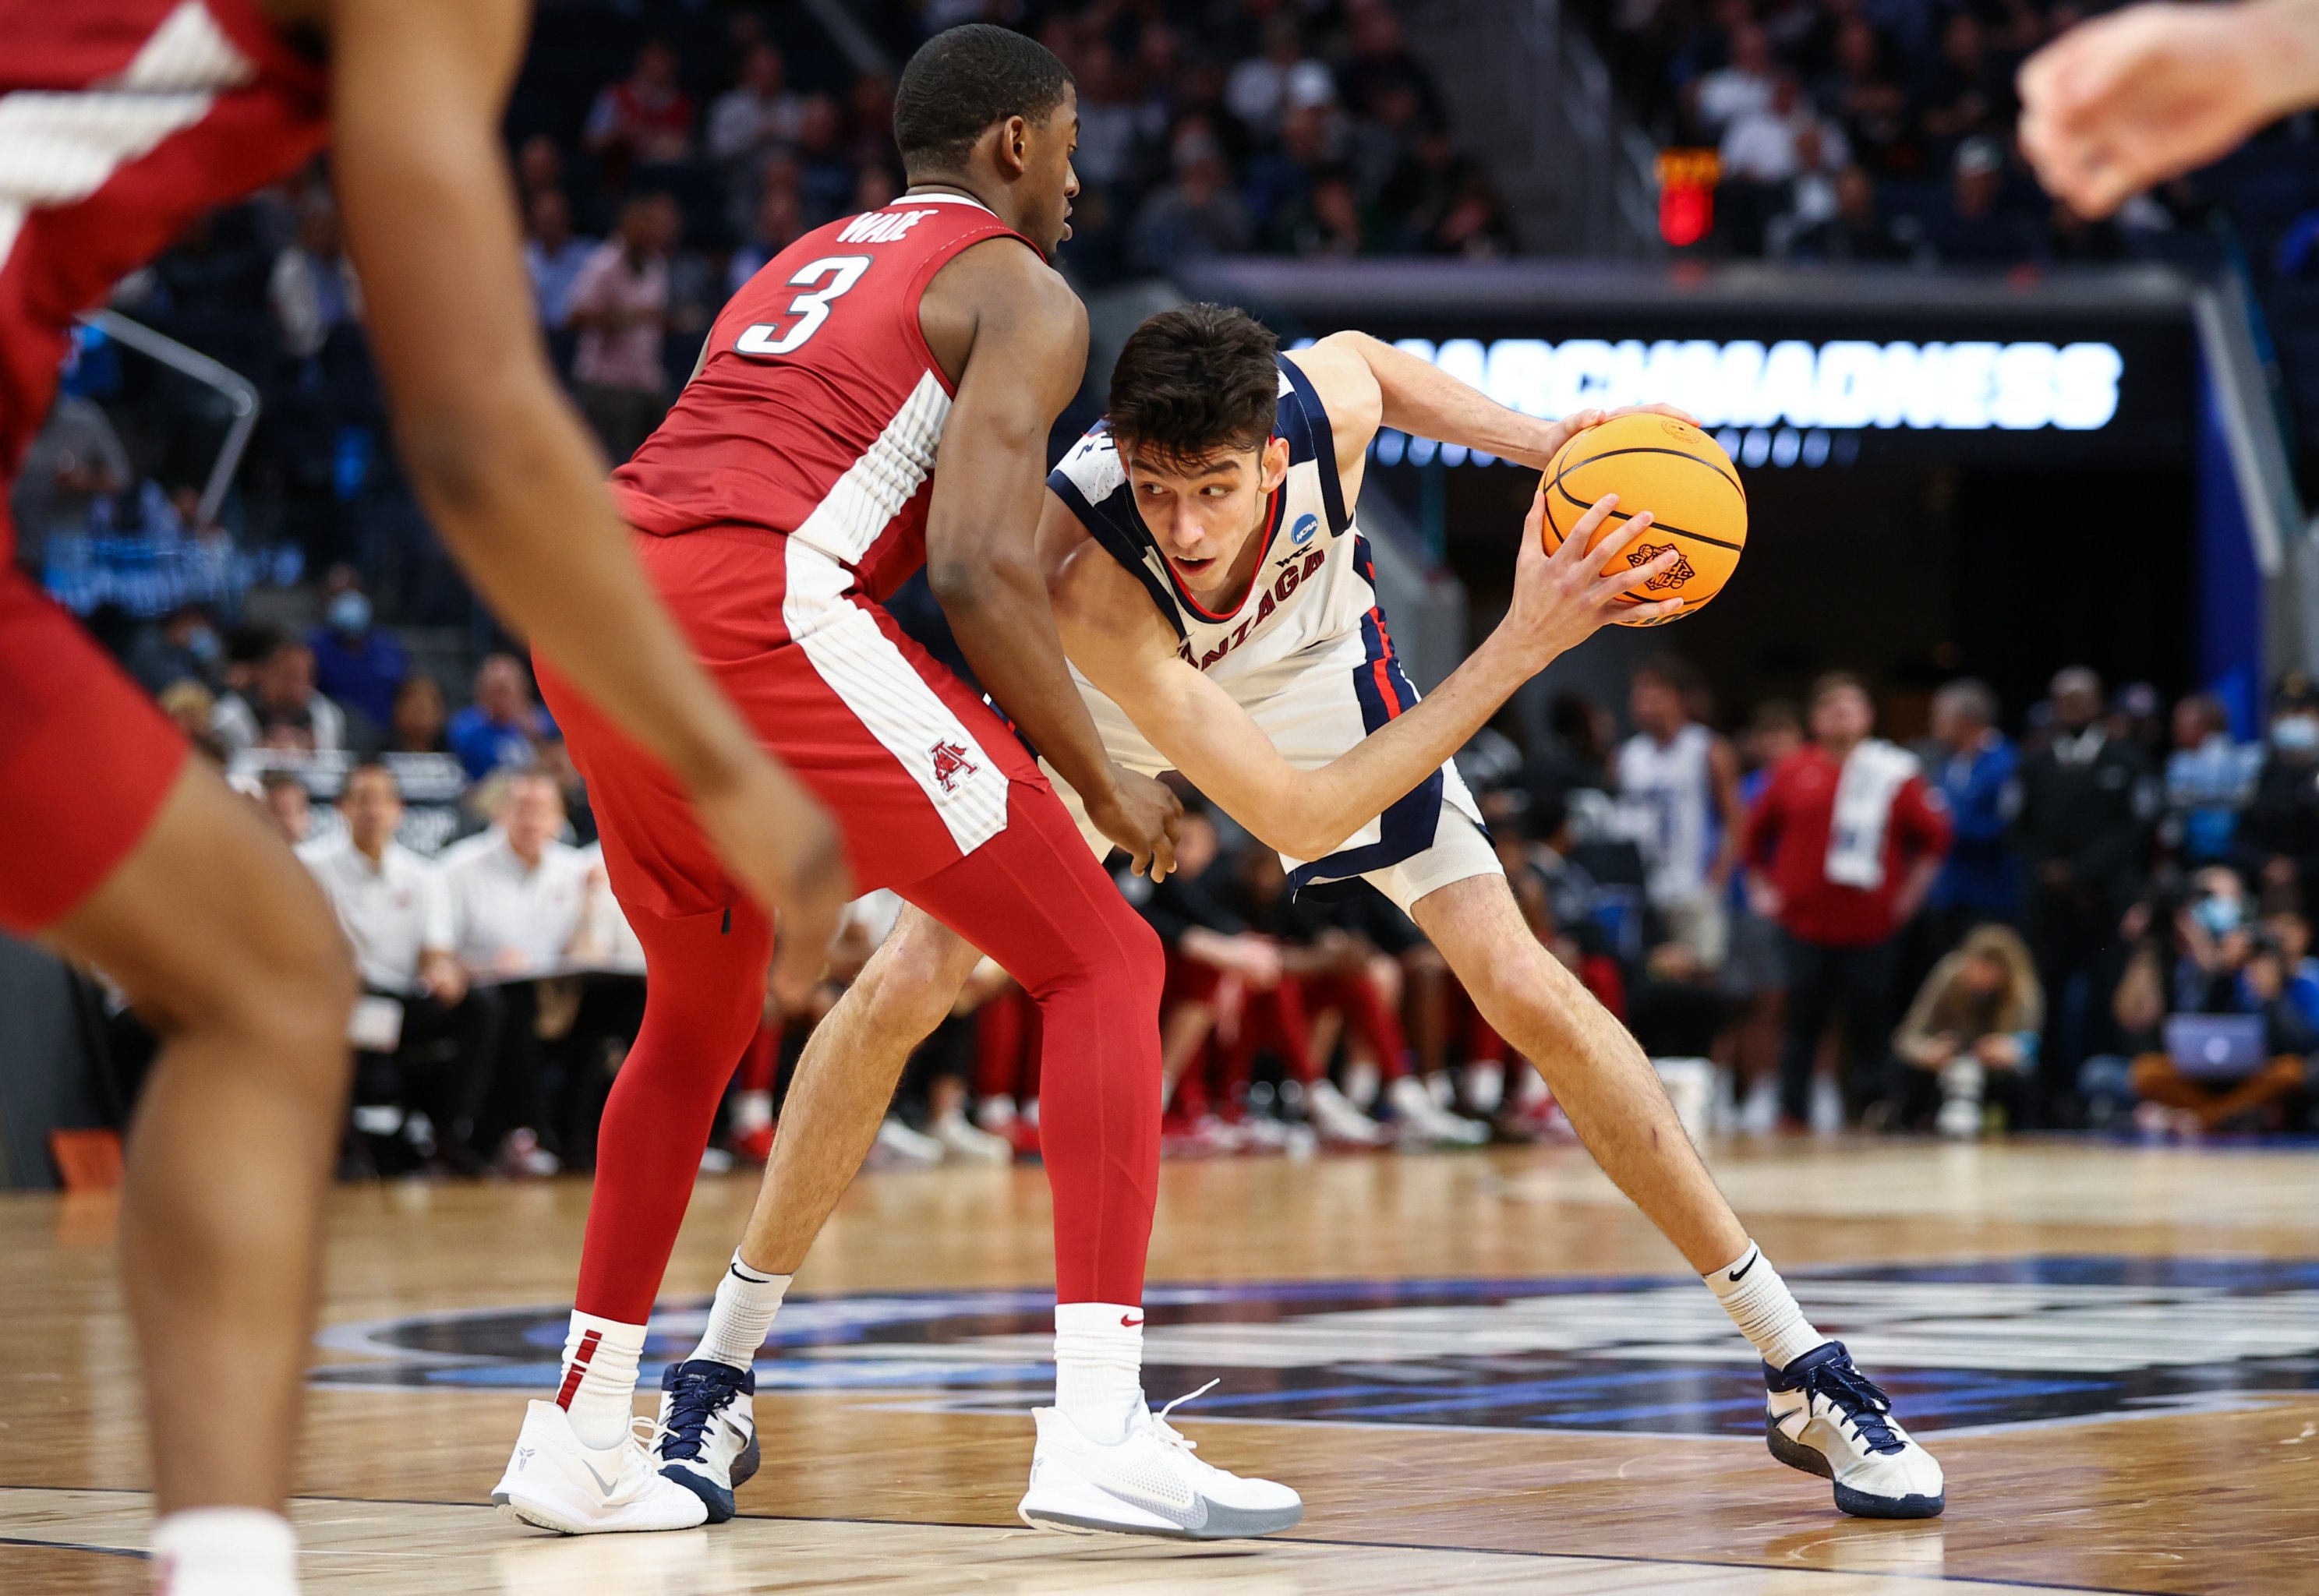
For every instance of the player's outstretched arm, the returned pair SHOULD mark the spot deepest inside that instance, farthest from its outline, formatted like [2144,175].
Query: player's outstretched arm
[1118,640]
[1364,382]
[496,453]
[982,542]
[2127,100]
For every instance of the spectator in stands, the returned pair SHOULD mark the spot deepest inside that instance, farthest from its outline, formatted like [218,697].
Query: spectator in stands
[284,692]
[2214,965]
[1844,844]
[825,177]
[1778,161]
[284,797]
[518,896]
[1857,231]
[1744,85]
[1261,90]
[1969,93]
[1679,782]
[645,116]
[554,256]
[432,1035]
[779,222]
[360,667]
[756,116]
[1870,105]
[1970,1034]
[2209,778]
[2082,820]
[1972,769]
[2278,836]
[1976,227]
[313,290]
[184,647]
[1197,215]
[421,720]
[76,460]
[1477,226]
[619,307]
[504,727]
[538,170]
[1329,222]
[1380,67]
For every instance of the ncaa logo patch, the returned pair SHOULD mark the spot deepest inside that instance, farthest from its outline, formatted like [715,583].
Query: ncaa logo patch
[1302,533]
[1964,1347]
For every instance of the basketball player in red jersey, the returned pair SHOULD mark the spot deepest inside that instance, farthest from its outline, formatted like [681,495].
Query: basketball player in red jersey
[793,487]
[121,121]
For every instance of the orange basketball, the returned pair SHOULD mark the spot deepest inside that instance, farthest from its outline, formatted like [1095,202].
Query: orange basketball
[1677,472]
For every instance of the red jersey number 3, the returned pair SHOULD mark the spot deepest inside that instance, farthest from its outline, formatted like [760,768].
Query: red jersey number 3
[826,280]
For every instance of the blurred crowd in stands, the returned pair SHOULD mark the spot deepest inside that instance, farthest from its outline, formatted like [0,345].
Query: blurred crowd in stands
[1853,131]
[656,171]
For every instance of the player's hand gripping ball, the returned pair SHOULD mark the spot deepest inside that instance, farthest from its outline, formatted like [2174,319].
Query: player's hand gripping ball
[1671,469]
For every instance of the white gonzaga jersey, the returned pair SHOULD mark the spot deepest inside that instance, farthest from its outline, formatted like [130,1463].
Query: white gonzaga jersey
[1671,789]
[1305,652]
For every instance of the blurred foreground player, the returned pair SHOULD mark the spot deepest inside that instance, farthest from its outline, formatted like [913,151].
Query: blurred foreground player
[2125,101]
[1216,595]
[125,120]
[791,489]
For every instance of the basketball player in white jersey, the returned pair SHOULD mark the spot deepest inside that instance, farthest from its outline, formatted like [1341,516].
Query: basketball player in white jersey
[1216,599]
[1683,782]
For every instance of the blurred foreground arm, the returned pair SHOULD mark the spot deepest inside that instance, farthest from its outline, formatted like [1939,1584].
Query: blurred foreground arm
[2132,99]
[497,454]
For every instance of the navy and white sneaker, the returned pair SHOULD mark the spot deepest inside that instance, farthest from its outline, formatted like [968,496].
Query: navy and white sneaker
[1825,1417]
[708,1430]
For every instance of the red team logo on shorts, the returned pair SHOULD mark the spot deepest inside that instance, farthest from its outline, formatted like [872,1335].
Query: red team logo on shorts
[950,763]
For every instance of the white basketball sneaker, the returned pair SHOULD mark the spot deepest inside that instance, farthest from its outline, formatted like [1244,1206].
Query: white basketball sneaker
[1338,1123]
[558,1483]
[706,1438]
[1825,1417]
[1150,1483]
[1423,1122]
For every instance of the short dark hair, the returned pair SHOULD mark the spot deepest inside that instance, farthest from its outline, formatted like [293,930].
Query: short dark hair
[369,767]
[1672,671]
[962,81]
[1195,383]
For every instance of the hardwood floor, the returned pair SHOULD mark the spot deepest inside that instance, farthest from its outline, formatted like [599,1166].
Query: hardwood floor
[1485,1372]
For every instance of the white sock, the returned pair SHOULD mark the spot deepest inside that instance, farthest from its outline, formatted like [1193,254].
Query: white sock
[1099,1367]
[747,1302]
[1758,1300]
[225,1551]
[599,1390]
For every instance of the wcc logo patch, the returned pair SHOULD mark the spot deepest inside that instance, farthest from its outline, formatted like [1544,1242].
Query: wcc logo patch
[950,763]
[1962,1348]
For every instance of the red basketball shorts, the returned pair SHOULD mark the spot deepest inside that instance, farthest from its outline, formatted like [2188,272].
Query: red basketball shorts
[913,764]
[86,758]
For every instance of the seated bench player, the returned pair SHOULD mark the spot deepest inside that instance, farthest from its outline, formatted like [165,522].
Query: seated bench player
[1218,603]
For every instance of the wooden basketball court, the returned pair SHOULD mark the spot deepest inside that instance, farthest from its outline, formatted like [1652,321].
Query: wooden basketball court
[1484,1372]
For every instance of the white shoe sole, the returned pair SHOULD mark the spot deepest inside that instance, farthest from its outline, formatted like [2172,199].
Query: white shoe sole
[1067,1504]
[543,1514]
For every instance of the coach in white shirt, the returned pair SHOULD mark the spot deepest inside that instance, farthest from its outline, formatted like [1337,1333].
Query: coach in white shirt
[517,892]
[422,1036]
[518,898]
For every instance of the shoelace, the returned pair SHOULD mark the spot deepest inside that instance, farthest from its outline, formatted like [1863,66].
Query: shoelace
[697,1397]
[1168,1432]
[1861,1401]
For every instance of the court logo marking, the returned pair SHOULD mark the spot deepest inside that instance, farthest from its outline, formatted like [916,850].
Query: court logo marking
[1962,1348]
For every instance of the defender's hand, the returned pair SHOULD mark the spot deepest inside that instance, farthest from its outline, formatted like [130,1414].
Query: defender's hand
[1140,816]
[2131,99]
[781,845]
[1563,599]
